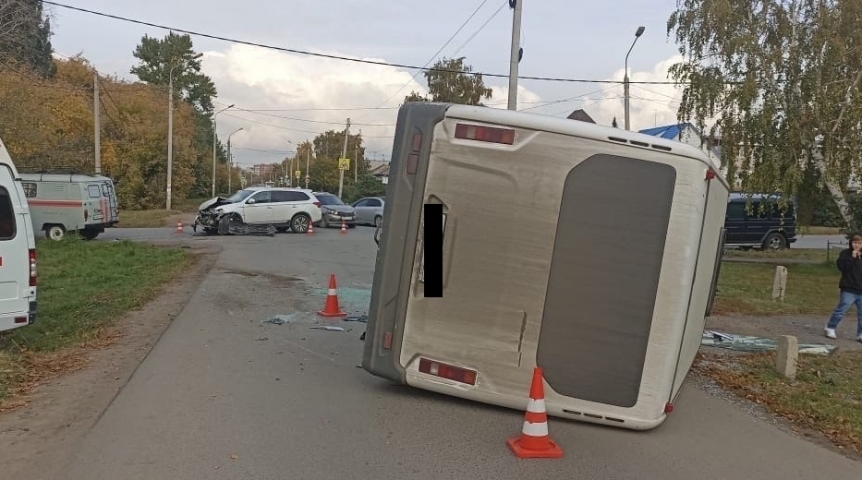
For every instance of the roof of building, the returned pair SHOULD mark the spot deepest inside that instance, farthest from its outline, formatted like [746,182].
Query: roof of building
[670,132]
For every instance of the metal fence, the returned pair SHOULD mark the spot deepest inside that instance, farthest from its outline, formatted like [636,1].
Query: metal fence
[836,245]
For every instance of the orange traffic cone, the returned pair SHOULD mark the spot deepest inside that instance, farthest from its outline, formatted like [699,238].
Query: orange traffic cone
[310,230]
[331,309]
[343,227]
[534,441]
[179,226]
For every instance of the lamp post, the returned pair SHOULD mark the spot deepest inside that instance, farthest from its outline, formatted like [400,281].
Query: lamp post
[638,34]
[214,144]
[171,128]
[230,161]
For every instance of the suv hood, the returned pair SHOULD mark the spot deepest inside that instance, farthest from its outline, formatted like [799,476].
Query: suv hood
[213,203]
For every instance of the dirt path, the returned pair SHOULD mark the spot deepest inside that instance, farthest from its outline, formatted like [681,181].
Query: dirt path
[61,410]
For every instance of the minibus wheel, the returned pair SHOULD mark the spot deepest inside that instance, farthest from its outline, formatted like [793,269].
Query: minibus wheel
[55,232]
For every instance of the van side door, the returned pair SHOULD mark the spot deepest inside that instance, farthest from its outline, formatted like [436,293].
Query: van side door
[14,249]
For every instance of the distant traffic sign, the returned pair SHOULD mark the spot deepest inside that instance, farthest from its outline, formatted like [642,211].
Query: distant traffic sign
[344,164]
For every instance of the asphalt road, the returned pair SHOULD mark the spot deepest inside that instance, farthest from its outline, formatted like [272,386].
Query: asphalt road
[223,395]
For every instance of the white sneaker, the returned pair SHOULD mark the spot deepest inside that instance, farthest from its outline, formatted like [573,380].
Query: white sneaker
[830,333]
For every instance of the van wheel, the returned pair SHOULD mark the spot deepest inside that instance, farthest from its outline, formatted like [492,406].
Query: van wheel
[775,241]
[89,233]
[299,223]
[55,232]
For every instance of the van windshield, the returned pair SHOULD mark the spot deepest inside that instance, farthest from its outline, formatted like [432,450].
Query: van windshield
[240,196]
[7,215]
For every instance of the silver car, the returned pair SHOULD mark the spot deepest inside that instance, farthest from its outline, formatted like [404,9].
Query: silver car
[369,211]
[335,212]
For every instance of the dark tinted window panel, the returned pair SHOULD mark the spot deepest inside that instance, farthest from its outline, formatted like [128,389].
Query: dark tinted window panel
[7,216]
[607,259]
[736,210]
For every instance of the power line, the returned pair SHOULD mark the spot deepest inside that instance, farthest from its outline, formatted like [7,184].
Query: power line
[313,121]
[565,100]
[482,28]
[338,57]
[433,57]
[292,129]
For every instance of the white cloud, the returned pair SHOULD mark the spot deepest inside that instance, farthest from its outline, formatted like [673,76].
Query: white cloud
[255,78]
[500,96]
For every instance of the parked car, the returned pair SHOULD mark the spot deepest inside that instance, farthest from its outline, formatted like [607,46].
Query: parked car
[369,211]
[71,202]
[284,208]
[763,226]
[17,250]
[335,211]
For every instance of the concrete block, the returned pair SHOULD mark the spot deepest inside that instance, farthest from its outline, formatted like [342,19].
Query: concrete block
[787,356]
[779,284]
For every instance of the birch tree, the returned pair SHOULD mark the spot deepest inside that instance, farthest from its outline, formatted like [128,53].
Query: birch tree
[779,81]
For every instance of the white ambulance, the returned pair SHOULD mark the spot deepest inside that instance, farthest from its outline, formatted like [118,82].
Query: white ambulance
[17,250]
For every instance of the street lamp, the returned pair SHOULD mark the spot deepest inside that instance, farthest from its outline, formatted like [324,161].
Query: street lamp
[171,127]
[230,161]
[638,34]
[214,144]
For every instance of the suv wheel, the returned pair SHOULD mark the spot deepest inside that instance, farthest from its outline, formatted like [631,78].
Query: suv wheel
[299,223]
[775,241]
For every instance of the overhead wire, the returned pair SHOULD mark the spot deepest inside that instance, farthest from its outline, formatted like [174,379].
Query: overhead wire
[434,57]
[340,57]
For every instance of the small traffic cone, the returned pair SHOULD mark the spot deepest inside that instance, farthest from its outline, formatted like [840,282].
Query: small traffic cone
[179,226]
[331,309]
[310,230]
[343,227]
[534,441]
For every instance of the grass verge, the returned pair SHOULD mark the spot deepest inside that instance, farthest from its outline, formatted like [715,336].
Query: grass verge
[826,395]
[746,289]
[145,218]
[83,287]
[806,254]
[157,218]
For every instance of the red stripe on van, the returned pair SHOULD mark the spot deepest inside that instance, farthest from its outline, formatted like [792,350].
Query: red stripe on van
[55,203]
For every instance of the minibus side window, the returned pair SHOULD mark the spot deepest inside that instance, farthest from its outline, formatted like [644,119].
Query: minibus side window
[7,216]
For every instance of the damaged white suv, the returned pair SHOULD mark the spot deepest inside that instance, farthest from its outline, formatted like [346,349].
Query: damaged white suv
[283,208]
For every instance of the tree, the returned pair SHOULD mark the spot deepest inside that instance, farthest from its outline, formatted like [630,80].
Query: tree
[25,36]
[415,97]
[158,56]
[781,80]
[453,87]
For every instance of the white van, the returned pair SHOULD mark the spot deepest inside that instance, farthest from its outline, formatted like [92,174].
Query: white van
[17,250]
[589,251]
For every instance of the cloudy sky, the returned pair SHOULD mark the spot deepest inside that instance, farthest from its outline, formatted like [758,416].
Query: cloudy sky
[283,98]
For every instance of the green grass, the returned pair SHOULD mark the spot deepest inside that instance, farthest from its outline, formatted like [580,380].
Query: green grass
[826,395]
[145,218]
[83,287]
[746,288]
[807,254]
[158,218]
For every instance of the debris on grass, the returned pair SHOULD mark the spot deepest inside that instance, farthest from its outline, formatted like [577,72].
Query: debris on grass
[741,343]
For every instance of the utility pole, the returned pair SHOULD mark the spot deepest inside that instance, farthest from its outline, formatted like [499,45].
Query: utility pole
[307,163]
[343,155]
[170,138]
[638,33]
[229,167]
[356,160]
[515,54]
[97,122]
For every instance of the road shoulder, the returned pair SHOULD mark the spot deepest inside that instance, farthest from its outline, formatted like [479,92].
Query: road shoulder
[60,411]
